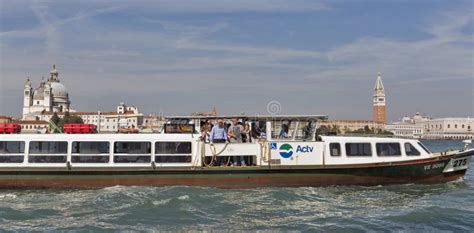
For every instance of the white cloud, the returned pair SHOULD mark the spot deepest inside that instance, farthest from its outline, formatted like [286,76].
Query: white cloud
[230,6]
[184,58]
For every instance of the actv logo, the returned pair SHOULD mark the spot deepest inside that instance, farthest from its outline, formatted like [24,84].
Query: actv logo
[286,150]
[304,149]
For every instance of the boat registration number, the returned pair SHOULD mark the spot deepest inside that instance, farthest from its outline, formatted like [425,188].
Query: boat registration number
[458,164]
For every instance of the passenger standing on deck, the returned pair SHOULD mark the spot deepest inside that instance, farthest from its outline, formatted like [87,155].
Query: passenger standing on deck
[235,135]
[235,131]
[247,133]
[205,132]
[218,133]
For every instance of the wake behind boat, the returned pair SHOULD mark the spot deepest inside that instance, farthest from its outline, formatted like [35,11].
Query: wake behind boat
[283,151]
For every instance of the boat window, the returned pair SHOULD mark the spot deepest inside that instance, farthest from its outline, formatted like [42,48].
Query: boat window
[358,149]
[388,149]
[132,159]
[411,150]
[173,159]
[90,147]
[132,147]
[47,152]
[12,151]
[167,152]
[335,149]
[90,152]
[11,158]
[424,148]
[47,159]
[12,147]
[173,148]
[132,152]
[48,147]
[90,159]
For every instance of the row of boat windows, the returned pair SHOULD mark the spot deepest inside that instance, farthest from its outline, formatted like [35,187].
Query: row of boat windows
[95,152]
[382,149]
[50,147]
[95,159]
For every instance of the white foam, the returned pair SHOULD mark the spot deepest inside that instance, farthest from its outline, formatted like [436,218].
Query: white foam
[161,202]
[8,196]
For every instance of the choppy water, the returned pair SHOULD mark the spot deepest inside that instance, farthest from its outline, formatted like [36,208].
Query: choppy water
[414,208]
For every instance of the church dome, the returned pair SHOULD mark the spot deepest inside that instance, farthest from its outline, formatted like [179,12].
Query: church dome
[58,90]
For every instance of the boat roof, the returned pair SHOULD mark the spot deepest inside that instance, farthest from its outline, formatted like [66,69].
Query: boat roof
[99,137]
[364,139]
[255,117]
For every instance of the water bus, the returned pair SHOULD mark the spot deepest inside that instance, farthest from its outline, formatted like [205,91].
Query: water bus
[280,151]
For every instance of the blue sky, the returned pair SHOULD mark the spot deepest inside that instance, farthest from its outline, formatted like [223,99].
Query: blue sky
[178,57]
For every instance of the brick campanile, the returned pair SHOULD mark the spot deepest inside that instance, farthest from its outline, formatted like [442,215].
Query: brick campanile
[379,100]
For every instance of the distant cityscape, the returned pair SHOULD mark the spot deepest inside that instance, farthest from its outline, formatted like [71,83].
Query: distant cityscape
[51,99]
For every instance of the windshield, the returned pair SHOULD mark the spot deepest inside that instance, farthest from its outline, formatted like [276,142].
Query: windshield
[424,147]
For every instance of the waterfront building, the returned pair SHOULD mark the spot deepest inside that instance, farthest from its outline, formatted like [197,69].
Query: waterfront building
[420,127]
[348,126]
[405,130]
[33,126]
[379,100]
[456,128]
[408,127]
[50,95]
[5,119]
[108,122]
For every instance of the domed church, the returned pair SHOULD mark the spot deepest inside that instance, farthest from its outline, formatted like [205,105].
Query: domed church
[49,96]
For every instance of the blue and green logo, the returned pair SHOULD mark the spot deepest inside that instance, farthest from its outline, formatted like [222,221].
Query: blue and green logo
[286,150]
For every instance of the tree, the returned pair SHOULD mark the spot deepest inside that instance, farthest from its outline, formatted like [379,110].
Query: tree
[70,119]
[359,131]
[335,129]
[322,130]
[367,129]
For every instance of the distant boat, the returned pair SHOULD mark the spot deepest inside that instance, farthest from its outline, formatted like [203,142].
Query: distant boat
[179,156]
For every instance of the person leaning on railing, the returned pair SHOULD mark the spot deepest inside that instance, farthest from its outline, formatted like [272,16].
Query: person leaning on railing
[218,134]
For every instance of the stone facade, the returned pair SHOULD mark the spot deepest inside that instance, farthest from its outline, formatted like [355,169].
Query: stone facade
[449,128]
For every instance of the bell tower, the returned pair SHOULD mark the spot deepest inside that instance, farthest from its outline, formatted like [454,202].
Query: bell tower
[48,97]
[379,100]
[27,97]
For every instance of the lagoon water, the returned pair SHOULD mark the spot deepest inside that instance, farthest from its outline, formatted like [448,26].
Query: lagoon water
[413,208]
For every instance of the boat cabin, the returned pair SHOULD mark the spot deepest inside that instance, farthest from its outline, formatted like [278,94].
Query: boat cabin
[273,141]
